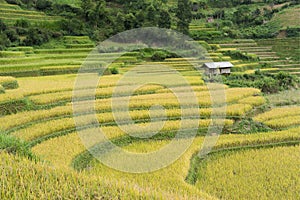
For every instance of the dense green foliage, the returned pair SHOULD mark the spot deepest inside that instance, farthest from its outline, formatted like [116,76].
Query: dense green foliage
[248,126]
[239,18]
[15,146]
[293,31]
[97,19]
[268,83]
[240,55]
[101,19]
[184,15]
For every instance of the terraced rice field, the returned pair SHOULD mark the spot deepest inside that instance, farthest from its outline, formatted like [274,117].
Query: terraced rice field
[10,13]
[26,61]
[274,55]
[281,117]
[51,133]
[288,51]
[235,45]
[37,115]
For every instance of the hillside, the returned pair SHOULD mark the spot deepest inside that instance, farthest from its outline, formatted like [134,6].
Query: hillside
[11,13]
[288,17]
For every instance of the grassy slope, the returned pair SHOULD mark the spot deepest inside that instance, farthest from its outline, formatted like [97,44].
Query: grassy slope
[289,17]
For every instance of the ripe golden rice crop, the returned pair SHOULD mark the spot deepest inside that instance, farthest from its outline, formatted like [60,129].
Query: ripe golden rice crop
[58,83]
[54,150]
[238,109]
[231,140]
[280,112]
[21,118]
[253,174]
[100,93]
[253,100]
[235,94]
[284,122]
[2,90]
[114,131]
[8,82]
[10,95]
[45,128]
[47,182]
[211,86]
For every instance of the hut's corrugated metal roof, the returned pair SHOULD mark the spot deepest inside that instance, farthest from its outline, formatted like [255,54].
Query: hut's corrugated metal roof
[215,65]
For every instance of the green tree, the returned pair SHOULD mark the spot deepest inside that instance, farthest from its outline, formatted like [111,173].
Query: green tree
[130,21]
[119,23]
[87,7]
[99,15]
[151,16]
[184,15]
[4,41]
[42,4]
[164,19]
[36,36]
[12,35]
[140,19]
[72,26]
[3,26]
[242,15]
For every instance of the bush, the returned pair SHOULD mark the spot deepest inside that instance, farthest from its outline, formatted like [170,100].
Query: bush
[114,70]
[72,27]
[293,32]
[215,47]
[16,2]
[15,146]
[159,56]
[23,23]
[268,30]
[12,35]
[231,32]
[22,31]
[43,4]
[8,82]
[248,126]
[240,55]
[205,45]
[3,26]
[268,83]
[36,36]
[2,90]
[4,41]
